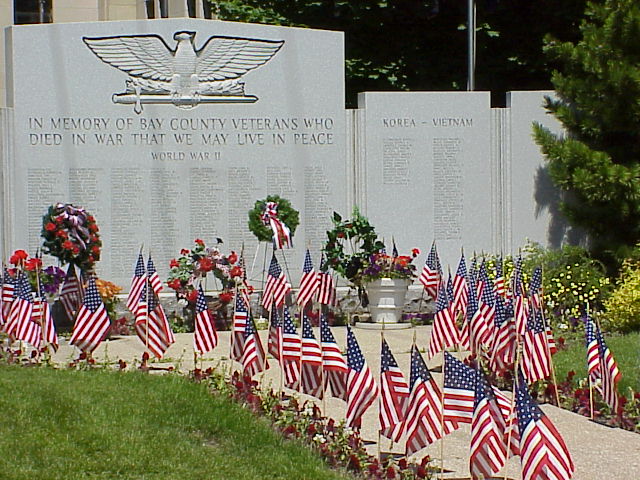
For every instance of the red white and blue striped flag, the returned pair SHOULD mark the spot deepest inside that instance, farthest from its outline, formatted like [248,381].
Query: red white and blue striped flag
[19,321]
[444,333]
[254,359]
[543,453]
[137,284]
[326,287]
[154,278]
[334,366]
[309,282]
[362,389]
[151,322]
[536,359]
[606,369]
[460,293]
[459,390]
[424,421]
[276,288]
[8,294]
[240,315]
[92,321]
[205,337]
[431,274]
[394,395]
[291,352]
[71,292]
[311,364]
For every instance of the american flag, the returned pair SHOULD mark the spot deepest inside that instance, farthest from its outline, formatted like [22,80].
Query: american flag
[536,361]
[21,312]
[499,280]
[535,288]
[244,287]
[240,315]
[362,389]
[309,281]
[394,250]
[137,284]
[423,421]
[503,352]
[311,365]
[519,300]
[42,315]
[472,308]
[394,394]
[459,390]
[488,453]
[254,359]
[291,352]
[508,412]
[151,320]
[274,339]
[276,288]
[484,283]
[8,294]
[460,293]
[92,322]
[543,453]
[326,287]
[71,292]
[487,310]
[154,278]
[607,370]
[431,274]
[593,349]
[205,337]
[444,333]
[333,363]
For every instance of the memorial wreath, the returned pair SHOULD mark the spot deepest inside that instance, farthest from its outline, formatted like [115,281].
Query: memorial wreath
[71,235]
[274,219]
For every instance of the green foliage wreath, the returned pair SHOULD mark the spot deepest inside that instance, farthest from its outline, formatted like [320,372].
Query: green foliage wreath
[286,213]
[361,236]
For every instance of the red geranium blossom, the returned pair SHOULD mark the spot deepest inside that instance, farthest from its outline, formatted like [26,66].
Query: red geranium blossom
[33,264]
[199,242]
[173,263]
[415,252]
[235,271]
[232,258]
[174,284]
[226,297]
[205,264]
[50,227]
[192,296]
[184,251]
[67,245]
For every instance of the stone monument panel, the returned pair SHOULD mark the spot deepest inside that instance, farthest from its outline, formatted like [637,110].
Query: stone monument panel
[532,205]
[170,130]
[426,170]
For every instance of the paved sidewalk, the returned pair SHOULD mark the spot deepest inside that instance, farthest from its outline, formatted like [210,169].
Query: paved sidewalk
[598,451]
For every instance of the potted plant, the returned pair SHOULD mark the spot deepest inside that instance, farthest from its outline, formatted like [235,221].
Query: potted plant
[354,251]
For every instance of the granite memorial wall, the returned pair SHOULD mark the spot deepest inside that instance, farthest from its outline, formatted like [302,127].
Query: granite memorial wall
[170,130]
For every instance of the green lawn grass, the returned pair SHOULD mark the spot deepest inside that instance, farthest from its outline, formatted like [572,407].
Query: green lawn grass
[625,349]
[65,424]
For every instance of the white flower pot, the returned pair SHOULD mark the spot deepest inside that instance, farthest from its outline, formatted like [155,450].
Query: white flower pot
[386,299]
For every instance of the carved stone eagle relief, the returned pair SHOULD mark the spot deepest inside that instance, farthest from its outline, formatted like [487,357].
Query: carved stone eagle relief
[183,76]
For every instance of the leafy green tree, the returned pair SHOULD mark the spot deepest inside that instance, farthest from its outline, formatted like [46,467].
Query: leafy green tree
[597,163]
[422,45]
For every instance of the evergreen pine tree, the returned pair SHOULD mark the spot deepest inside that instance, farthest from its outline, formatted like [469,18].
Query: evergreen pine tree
[597,163]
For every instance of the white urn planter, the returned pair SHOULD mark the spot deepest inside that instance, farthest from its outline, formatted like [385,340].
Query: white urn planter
[386,299]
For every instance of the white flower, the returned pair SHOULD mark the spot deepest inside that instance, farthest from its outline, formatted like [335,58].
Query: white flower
[319,438]
[563,326]
[183,302]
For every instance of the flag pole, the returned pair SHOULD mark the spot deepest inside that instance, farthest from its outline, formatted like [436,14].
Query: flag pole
[591,400]
[379,398]
[471,45]
[43,332]
[513,401]
[442,420]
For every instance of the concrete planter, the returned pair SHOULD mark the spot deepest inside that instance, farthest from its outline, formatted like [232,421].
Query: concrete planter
[386,299]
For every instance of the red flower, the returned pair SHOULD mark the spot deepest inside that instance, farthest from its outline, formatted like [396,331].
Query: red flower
[391,472]
[225,297]
[233,257]
[14,260]
[91,218]
[67,245]
[174,284]
[415,252]
[192,296]
[173,263]
[403,261]
[184,251]
[95,249]
[199,242]
[50,227]
[20,255]
[76,250]
[58,220]
[235,271]
[93,228]
[33,264]
[61,234]
[205,264]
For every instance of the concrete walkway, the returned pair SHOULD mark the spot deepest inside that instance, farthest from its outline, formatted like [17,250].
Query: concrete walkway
[598,451]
